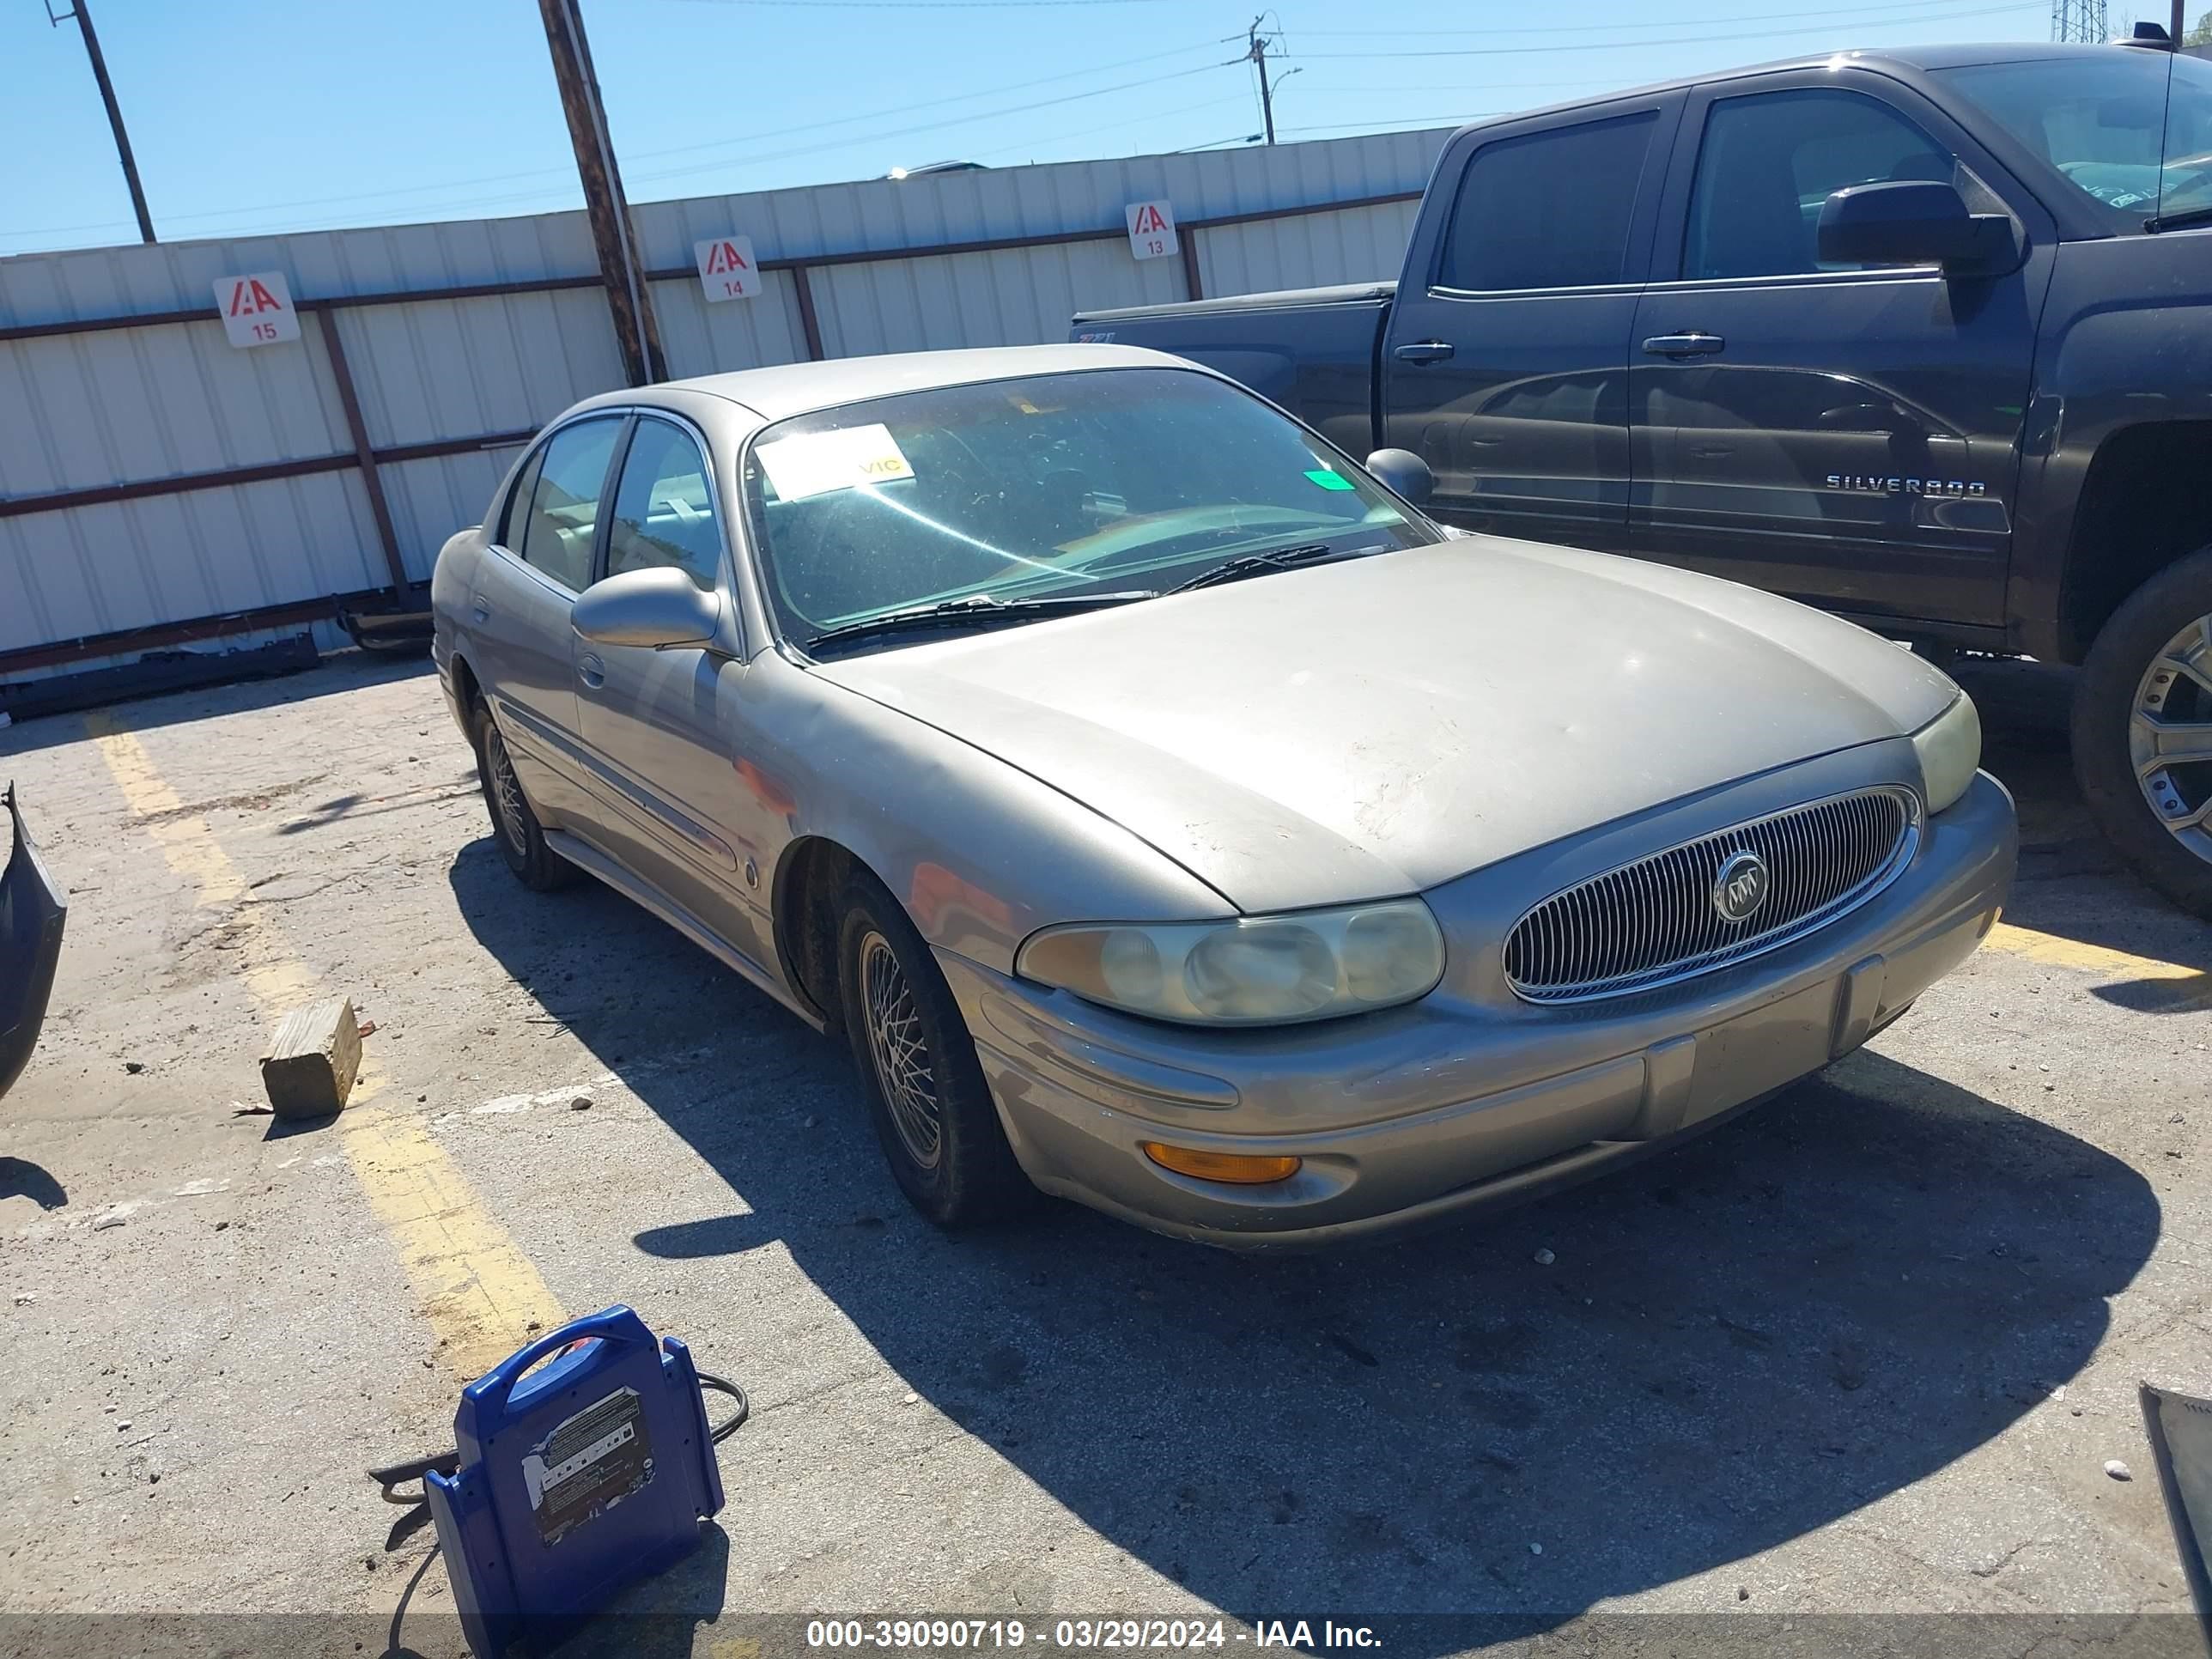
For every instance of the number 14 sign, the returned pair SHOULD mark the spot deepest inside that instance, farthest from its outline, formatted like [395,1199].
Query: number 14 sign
[256,310]
[1152,230]
[727,270]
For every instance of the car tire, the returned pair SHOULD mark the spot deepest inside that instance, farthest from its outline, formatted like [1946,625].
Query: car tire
[514,827]
[2161,821]
[931,1109]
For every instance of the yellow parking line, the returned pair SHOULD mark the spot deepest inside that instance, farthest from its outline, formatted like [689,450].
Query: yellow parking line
[2190,983]
[480,1293]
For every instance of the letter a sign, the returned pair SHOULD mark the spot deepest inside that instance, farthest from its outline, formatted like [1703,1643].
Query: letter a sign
[727,270]
[256,310]
[1152,230]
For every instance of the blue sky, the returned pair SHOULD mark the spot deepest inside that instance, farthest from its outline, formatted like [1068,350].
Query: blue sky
[260,115]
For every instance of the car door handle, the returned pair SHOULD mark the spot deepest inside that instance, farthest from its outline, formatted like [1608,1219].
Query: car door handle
[1696,343]
[478,611]
[1424,351]
[593,672]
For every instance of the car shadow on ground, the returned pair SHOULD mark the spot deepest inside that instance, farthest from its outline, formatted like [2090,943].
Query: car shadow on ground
[1731,1345]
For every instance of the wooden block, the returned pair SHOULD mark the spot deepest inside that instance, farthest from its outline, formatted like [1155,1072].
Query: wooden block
[312,1060]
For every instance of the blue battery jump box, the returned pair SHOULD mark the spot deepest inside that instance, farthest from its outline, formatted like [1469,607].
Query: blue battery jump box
[576,1478]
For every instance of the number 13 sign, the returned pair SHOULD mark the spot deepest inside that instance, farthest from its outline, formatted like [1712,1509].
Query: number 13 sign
[256,310]
[1152,230]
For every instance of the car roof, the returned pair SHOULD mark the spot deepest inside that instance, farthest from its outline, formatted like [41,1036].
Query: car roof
[785,389]
[1911,60]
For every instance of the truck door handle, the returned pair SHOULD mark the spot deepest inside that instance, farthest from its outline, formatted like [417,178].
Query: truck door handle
[1423,351]
[1696,343]
[593,672]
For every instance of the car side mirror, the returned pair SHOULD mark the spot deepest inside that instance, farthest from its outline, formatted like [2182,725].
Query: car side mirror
[1908,221]
[1403,471]
[654,609]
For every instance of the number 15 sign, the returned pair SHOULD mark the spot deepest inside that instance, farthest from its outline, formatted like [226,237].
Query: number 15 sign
[256,310]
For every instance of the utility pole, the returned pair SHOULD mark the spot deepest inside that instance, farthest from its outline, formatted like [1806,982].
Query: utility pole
[1258,54]
[635,329]
[114,113]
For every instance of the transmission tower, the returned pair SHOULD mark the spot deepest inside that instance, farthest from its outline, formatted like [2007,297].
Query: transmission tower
[2078,20]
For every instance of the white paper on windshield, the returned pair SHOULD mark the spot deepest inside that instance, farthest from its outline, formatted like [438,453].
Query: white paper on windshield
[818,462]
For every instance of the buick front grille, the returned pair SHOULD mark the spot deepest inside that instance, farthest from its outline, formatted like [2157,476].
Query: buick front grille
[1667,916]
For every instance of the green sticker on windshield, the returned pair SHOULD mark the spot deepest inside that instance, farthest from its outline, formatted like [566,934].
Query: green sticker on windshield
[1328,480]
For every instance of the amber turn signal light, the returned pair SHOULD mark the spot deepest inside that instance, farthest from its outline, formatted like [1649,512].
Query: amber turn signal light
[1236,1169]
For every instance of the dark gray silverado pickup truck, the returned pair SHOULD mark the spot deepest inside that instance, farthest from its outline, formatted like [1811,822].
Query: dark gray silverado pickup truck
[1922,336]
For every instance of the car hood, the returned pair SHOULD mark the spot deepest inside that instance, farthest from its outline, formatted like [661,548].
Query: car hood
[1378,726]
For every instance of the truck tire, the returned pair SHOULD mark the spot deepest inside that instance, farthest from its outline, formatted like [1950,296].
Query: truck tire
[2143,731]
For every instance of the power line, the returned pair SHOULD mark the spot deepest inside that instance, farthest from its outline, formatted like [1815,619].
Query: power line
[934,127]
[1838,14]
[418,189]
[1676,40]
[931,5]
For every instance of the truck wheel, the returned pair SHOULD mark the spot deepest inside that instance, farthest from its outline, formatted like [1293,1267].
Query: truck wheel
[514,827]
[931,1109]
[2143,731]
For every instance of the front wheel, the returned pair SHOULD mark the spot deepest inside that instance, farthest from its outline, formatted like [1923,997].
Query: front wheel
[931,1109]
[2143,732]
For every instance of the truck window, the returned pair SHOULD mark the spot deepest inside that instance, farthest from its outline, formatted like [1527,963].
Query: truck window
[1768,163]
[1548,210]
[2132,132]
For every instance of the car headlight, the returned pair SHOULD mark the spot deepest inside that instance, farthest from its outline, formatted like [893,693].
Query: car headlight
[1252,970]
[1950,749]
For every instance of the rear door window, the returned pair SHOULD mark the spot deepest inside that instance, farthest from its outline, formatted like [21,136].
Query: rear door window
[515,509]
[1549,209]
[564,509]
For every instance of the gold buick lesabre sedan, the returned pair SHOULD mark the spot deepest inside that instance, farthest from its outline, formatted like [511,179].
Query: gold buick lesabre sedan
[1173,818]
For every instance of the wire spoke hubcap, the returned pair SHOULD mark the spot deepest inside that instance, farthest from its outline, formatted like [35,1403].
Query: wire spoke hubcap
[905,1070]
[505,792]
[2170,736]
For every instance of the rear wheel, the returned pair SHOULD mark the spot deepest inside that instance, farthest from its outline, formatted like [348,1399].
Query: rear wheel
[927,1096]
[514,827]
[2143,731]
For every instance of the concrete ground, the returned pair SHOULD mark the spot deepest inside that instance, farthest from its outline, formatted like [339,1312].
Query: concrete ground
[1865,1352]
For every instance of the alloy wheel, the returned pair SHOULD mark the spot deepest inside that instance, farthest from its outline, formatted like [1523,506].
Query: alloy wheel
[905,1070]
[2170,736]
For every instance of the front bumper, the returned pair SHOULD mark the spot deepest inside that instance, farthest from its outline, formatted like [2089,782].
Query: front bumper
[1461,1100]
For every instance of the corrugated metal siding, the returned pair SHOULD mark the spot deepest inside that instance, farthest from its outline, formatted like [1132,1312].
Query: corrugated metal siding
[431,499]
[79,410]
[131,564]
[91,410]
[1017,296]
[1359,245]
[455,368]
[699,338]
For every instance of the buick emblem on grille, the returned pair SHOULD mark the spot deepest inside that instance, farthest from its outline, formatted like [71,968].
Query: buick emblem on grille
[1741,887]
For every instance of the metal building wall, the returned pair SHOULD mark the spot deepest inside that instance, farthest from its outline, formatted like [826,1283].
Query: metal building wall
[95,404]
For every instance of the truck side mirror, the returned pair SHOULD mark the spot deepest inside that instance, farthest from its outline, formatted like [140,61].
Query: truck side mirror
[1403,471]
[1910,221]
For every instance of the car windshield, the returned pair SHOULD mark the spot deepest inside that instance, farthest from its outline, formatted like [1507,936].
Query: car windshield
[2131,130]
[1059,486]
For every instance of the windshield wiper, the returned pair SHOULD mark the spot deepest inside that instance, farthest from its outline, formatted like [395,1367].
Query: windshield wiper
[2181,221]
[977,610]
[1281,558]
